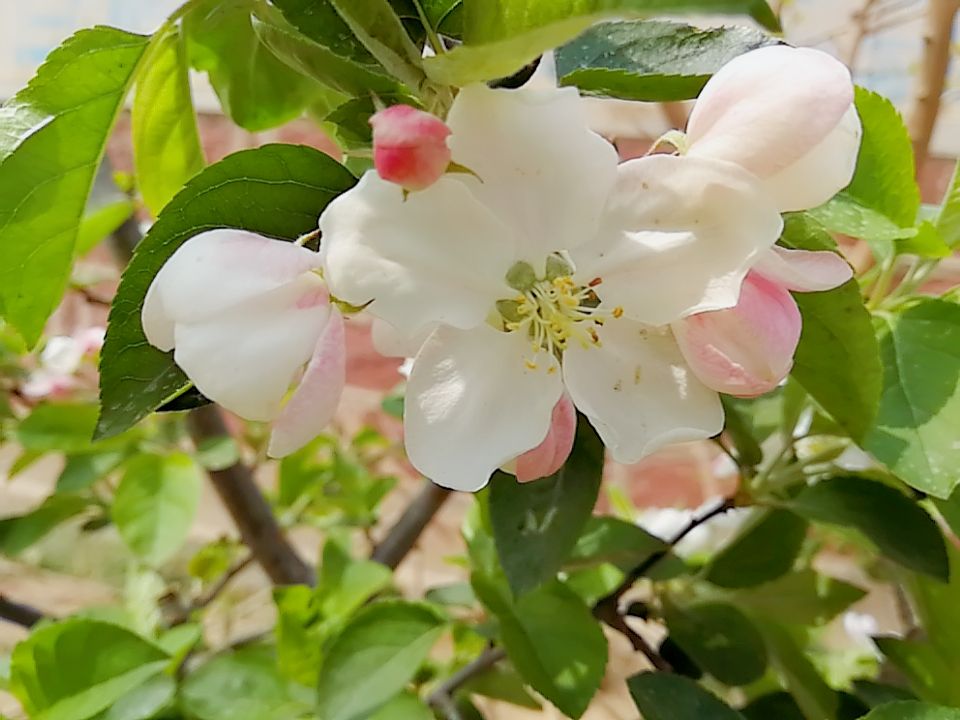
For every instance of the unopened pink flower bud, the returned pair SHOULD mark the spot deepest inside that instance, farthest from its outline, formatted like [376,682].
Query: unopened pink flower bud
[748,349]
[410,146]
[550,455]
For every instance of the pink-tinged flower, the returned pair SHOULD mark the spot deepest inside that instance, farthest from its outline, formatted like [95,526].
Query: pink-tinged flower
[550,455]
[246,316]
[748,349]
[785,115]
[410,146]
[60,360]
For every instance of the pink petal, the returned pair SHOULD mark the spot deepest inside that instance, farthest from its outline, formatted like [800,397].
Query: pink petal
[550,455]
[804,270]
[768,108]
[748,349]
[410,146]
[313,404]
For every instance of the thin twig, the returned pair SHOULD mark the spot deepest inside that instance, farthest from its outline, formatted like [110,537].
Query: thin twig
[18,614]
[249,509]
[607,608]
[403,536]
[214,592]
[441,699]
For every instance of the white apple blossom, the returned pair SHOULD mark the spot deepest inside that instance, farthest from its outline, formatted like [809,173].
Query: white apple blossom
[551,268]
[245,316]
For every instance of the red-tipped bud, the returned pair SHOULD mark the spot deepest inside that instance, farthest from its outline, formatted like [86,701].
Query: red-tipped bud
[409,146]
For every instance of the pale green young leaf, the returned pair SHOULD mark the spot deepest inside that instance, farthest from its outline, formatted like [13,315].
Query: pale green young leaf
[243,684]
[948,218]
[653,60]
[275,190]
[166,142]
[52,137]
[377,26]
[319,55]
[915,432]
[53,676]
[256,89]
[501,36]
[155,504]
[374,657]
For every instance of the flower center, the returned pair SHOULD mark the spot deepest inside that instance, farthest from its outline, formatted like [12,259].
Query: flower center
[553,310]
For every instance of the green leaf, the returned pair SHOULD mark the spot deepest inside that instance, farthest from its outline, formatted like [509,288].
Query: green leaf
[610,540]
[739,430]
[913,711]
[779,705]
[243,685]
[74,669]
[275,190]
[377,26]
[52,137]
[655,61]
[720,639]
[338,57]
[884,178]
[552,639]
[63,427]
[82,471]
[846,215]
[915,432]
[19,532]
[374,658]
[345,584]
[155,504]
[815,698]
[536,524]
[662,696]
[765,550]
[930,675]
[501,36]
[405,706]
[837,360]
[900,528]
[802,598]
[166,142]
[145,702]
[256,90]
[935,605]
[100,222]
[948,219]
[320,53]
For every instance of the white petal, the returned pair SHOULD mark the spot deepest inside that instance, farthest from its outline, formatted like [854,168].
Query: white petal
[246,356]
[218,269]
[821,173]
[158,326]
[680,235]
[436,256]
[638,392]
[542,170]
[767,108]
[472,404]
[390,342]
[804,270]
[314,403]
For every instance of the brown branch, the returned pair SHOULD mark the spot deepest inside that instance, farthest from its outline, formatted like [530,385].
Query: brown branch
[442,699]
[402,537]
[22,615]
[933,71]
[250,511]
[607,608]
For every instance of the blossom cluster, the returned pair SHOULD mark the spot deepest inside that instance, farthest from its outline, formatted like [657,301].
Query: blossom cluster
[530,274]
